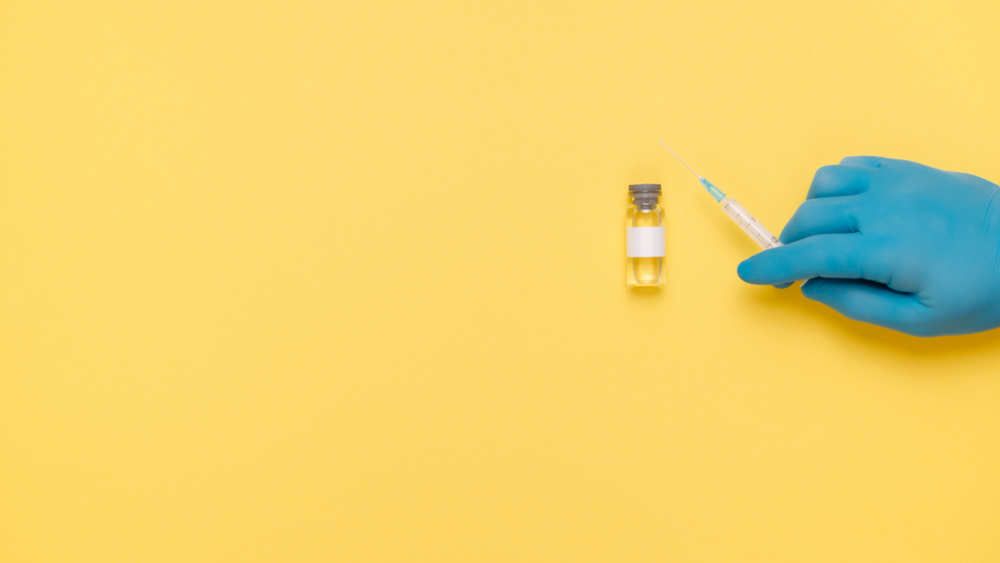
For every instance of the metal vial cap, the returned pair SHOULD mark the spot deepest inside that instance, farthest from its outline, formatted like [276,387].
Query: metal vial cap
[643,188]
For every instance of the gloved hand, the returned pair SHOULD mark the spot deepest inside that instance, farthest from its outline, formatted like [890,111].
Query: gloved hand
[894,243]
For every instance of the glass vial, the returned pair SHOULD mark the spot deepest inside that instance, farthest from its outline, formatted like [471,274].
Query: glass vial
[645,237]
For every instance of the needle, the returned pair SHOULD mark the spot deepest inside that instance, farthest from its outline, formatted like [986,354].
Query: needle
[682,162]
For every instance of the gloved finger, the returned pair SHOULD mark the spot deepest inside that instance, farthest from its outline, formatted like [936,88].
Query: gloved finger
[838,180]
[822,216]
[868,302]
[828,256]
[865,161]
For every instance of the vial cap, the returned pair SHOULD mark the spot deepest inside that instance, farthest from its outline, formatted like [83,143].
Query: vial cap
[643,188]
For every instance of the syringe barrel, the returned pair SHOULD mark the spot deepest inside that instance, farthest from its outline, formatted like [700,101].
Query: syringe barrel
[750,225]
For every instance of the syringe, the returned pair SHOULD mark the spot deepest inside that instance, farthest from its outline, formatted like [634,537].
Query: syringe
[736,212]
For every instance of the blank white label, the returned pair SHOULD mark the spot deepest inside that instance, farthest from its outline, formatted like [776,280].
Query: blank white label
[645,242]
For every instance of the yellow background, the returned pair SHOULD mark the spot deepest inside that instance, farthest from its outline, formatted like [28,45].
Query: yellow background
[344,281]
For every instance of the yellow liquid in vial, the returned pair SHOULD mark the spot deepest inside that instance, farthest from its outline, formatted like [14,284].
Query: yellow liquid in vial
[647,270]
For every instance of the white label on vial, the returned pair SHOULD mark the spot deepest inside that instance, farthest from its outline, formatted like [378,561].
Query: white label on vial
[645,242]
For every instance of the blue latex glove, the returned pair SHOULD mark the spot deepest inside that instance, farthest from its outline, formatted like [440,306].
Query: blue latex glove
[894,243]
